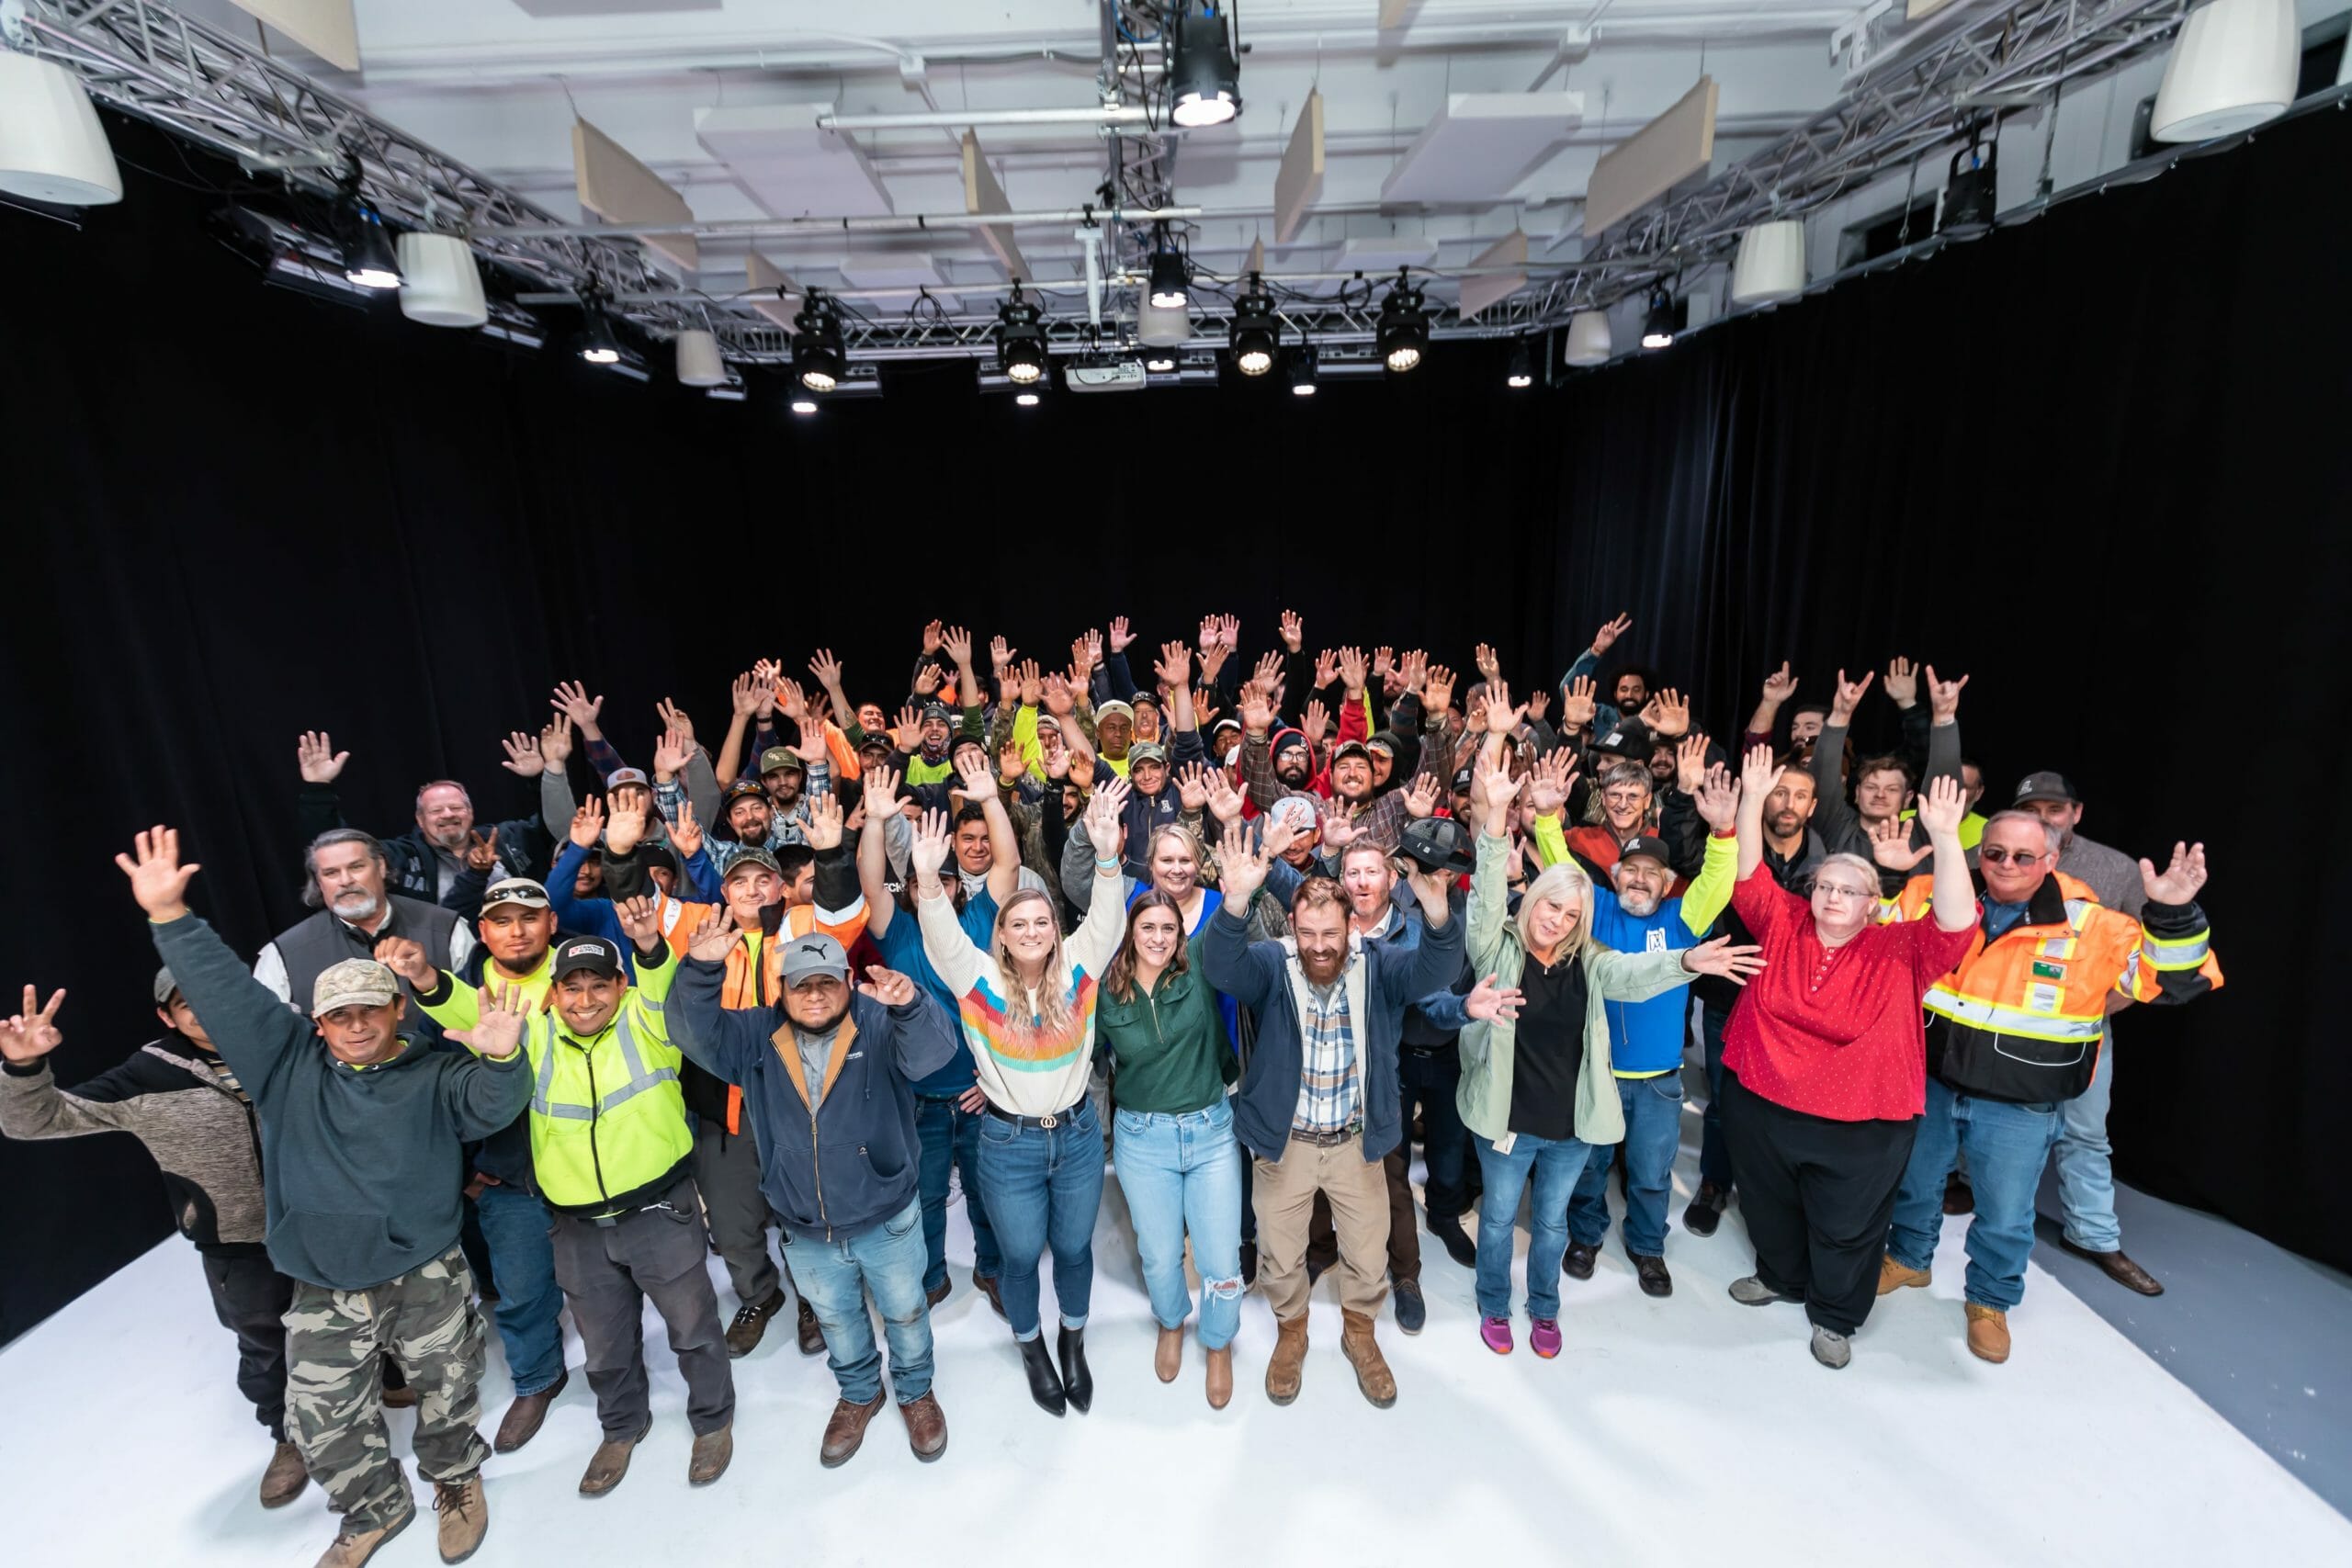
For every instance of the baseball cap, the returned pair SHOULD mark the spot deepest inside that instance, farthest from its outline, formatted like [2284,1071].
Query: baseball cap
[751,857]
[1463,778]
[1114,706]
[1352,749]
[742,789]
[1437,843]
[620,776]
[1650,845]
[1221,726]
[165,986]
[2047,786]
[776,757]
[591,955]
[355,982]
[815,953]
[1297,812]
[1147,752]
[651,855]
[1632,738]
[1380,748]
[516,890]
[938,710]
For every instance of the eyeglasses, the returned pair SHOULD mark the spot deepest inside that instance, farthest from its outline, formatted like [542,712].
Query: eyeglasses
[1993,854]
[1837,890]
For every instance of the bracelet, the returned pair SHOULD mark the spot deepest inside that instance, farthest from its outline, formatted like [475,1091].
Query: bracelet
[1107,864]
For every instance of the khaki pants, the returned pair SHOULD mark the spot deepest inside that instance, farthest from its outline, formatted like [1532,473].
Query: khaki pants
[1285,1200]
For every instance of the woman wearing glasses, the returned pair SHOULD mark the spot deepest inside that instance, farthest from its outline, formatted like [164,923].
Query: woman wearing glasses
[1825,1062]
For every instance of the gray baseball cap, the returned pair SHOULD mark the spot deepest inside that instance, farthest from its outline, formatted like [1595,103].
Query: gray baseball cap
[165,986]
[815,953]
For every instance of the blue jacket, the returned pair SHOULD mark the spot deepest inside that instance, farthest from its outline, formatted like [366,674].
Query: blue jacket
[1257,975]
[1645,1037]
[855,1163]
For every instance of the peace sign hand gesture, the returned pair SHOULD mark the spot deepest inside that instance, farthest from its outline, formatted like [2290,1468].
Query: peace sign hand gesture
[31,1036]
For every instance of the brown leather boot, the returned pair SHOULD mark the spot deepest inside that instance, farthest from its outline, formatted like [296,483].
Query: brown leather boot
[845,1430]
[1168,1356]
[1289,1363]
[812,1337]
[1220,1376]
[528,1415]
[751,1325]
[610,1462]
[1988,1333]
[926,1428]
[987,1285]
[714,1451]
[284,1480]
[465,1516]
[1363,1352]
[1894,1276]
[354,1546]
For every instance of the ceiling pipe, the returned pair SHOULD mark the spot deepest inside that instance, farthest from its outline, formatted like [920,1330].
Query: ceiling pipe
[952,120]
[761,228]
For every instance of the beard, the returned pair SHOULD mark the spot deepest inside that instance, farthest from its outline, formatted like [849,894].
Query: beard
[824,1026]
[356,908]
[1641,906]
[1785,824]
[1292,769]
[1322,971]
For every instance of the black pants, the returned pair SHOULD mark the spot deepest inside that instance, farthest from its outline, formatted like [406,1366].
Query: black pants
[608,1272]
[251,1299]
[1430,1080]
[1817,1195]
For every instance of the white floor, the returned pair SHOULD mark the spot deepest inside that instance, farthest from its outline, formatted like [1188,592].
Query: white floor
[1688,1430]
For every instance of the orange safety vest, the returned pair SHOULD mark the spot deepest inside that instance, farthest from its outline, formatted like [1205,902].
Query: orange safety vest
[2020,1018]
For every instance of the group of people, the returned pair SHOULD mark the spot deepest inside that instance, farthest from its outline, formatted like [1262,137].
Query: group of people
[1247,932]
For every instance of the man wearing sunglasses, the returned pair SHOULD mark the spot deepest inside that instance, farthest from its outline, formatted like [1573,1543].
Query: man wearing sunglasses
[2014,1034]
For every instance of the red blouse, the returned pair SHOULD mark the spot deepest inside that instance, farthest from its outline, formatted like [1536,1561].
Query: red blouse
[1835,1032]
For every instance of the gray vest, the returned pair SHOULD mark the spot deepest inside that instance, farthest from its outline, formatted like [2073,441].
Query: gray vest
[310,948]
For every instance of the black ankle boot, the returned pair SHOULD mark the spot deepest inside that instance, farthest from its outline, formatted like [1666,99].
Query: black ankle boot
[1077,1381]
[1045,1384]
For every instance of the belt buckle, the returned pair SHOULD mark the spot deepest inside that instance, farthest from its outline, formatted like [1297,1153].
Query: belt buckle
[1049,1121]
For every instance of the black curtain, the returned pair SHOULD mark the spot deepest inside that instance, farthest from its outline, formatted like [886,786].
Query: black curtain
[2096,462]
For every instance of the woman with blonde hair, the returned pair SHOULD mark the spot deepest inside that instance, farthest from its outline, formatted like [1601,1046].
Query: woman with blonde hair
[1538,1091]
[1027,1007]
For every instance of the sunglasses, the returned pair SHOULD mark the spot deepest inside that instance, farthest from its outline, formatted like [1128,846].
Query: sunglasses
[1992,854]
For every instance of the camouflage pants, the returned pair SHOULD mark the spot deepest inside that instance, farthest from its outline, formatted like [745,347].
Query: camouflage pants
[335,1345]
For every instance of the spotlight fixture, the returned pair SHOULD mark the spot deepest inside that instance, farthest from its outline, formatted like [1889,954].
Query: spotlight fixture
[1167,282]
[52,146]
[804,405]
[1026,400]
[1403,332]
[596,344]
[1203,76]
[1020,340]
[1159,363]
[1664,320]
[1521,372]
[1302,370]
[367,258]
[1968,204]
[817,354]
[1253,337]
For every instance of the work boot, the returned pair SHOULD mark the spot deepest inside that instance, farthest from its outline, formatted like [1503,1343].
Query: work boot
[812,1337]
[284,1480]
[465,1516]
[610,1462]
[985,1284]
[2117,1267]
[1651,1270]
[1705,1209]
[926,1428]
[1248,1264]
[1959,1197]
[1289,1363]
[937,1293]
[1577,1260]
[355,1546]
[1220,1382]
[751,1325]
[1045,1382]
[1078,1379]
[1168,1356]
[1456,1242]
[1363,1351]
[1988,1333]
[1894,1276]
[528,1413]
[713,1453]
[1412,1312]
[845,1430]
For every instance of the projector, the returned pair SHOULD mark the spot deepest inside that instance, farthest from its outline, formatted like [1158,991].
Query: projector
[1104,374]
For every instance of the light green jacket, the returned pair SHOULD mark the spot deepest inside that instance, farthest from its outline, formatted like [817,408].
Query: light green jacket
[1484,1097]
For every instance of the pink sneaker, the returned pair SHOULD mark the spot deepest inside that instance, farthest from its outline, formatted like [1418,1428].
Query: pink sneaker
[1496,1333]
[1544,1336]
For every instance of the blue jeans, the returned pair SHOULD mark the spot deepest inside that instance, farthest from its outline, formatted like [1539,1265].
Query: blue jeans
[522,1259]
[2007,1145]
[1555,1167]
[1714,1158]
[836,1275]
[1653,1135]
[1179,1173]
[951,1138]
[2086,1179]
[1043,1186]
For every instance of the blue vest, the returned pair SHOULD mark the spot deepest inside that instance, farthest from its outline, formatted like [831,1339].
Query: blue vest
[1645,1037]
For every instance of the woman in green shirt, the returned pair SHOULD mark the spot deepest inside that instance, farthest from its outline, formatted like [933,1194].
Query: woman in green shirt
[1159,1023]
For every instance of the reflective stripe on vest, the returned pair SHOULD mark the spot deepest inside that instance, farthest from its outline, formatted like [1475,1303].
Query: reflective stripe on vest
[1946,1003]
[639,1081]
[2187,953]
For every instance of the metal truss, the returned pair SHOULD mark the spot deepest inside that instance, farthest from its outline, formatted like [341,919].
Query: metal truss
[1906,105]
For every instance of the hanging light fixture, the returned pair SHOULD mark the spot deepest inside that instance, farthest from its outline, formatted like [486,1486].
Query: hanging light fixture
[1301,369]
[1167,291]
[1253,337]
[699,364]
[1588,342]
[1403,330]
[804,405]
[1020,340]
[51,147]
[1026,400]
[817,356]
[440,285]
[596,344]
[1158,326]
[1664,320]
[1521,370]
[367,258]
[1771,265]
[1158,360]
[2233,65]
[1203,72]
[1971,199]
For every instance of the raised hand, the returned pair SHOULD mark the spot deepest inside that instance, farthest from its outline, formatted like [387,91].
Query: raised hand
[319,761]
[555,742]
[907,734]
[1119,636]
[811,747]
[1691,763]
[1501,718]
[887,987]
[1204,712]
[407,959]
[1489,667]
[823,827]
[1780,685]
[1257,710]
[686,833]
[1757,772]
[978,777]
[1548,782]
[1437,690]
[1941,806]
[1849,696]
[674,719]
[481,854]
[158,880]
[1175,666]
[791,700]
[1943,696]
[2180,881]
[523,759]
[1061,701]
[931,638]
[624,827]
[1001,654]
[1326,668]
[1010,763]
[1207,638]
[931,846]
[1082,658]
[1228,632]
[1031,684]
[1422,796]
[1609,633]
[1353,667]
[927,680]
[1293,631]
[640,921]
[1891,845]
[1718,799]
[572,701]
[1225,801]
[1317,723]
[1103,813]
[881,791]
[1578,703]
[826,671]
[1668,714]
[1242,870]
[1338,829]
[1268,670]
[670,754]
[766,673]
[1487,1001]
[1192,787]
[714,938]
[33,1033]
[1720,957]
[499,1014]
[1538,701]
[1902,682]
[1495,789]
[588,823]
[957,642]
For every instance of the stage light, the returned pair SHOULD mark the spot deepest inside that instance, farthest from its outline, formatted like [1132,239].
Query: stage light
[1203,76]
[1254,337]
[596,344]
[1026,400]
[2233,66]
[1167,283]
[1160,362]
[817,356]
[1162,327]
[1664,320]
[52,146]
[1302,371]
[1521,372]
[1970,197]
[367,258]
[1588,340]
[440,285]
[699,364]
[1020,340]
[1403,332]
[804,405]
[1771,265]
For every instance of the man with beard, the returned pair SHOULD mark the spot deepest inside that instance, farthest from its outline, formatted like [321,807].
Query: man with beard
[1382,817]
[1625,799]
[429,863]
[347,872]
[1318,1104]
[1883,787]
